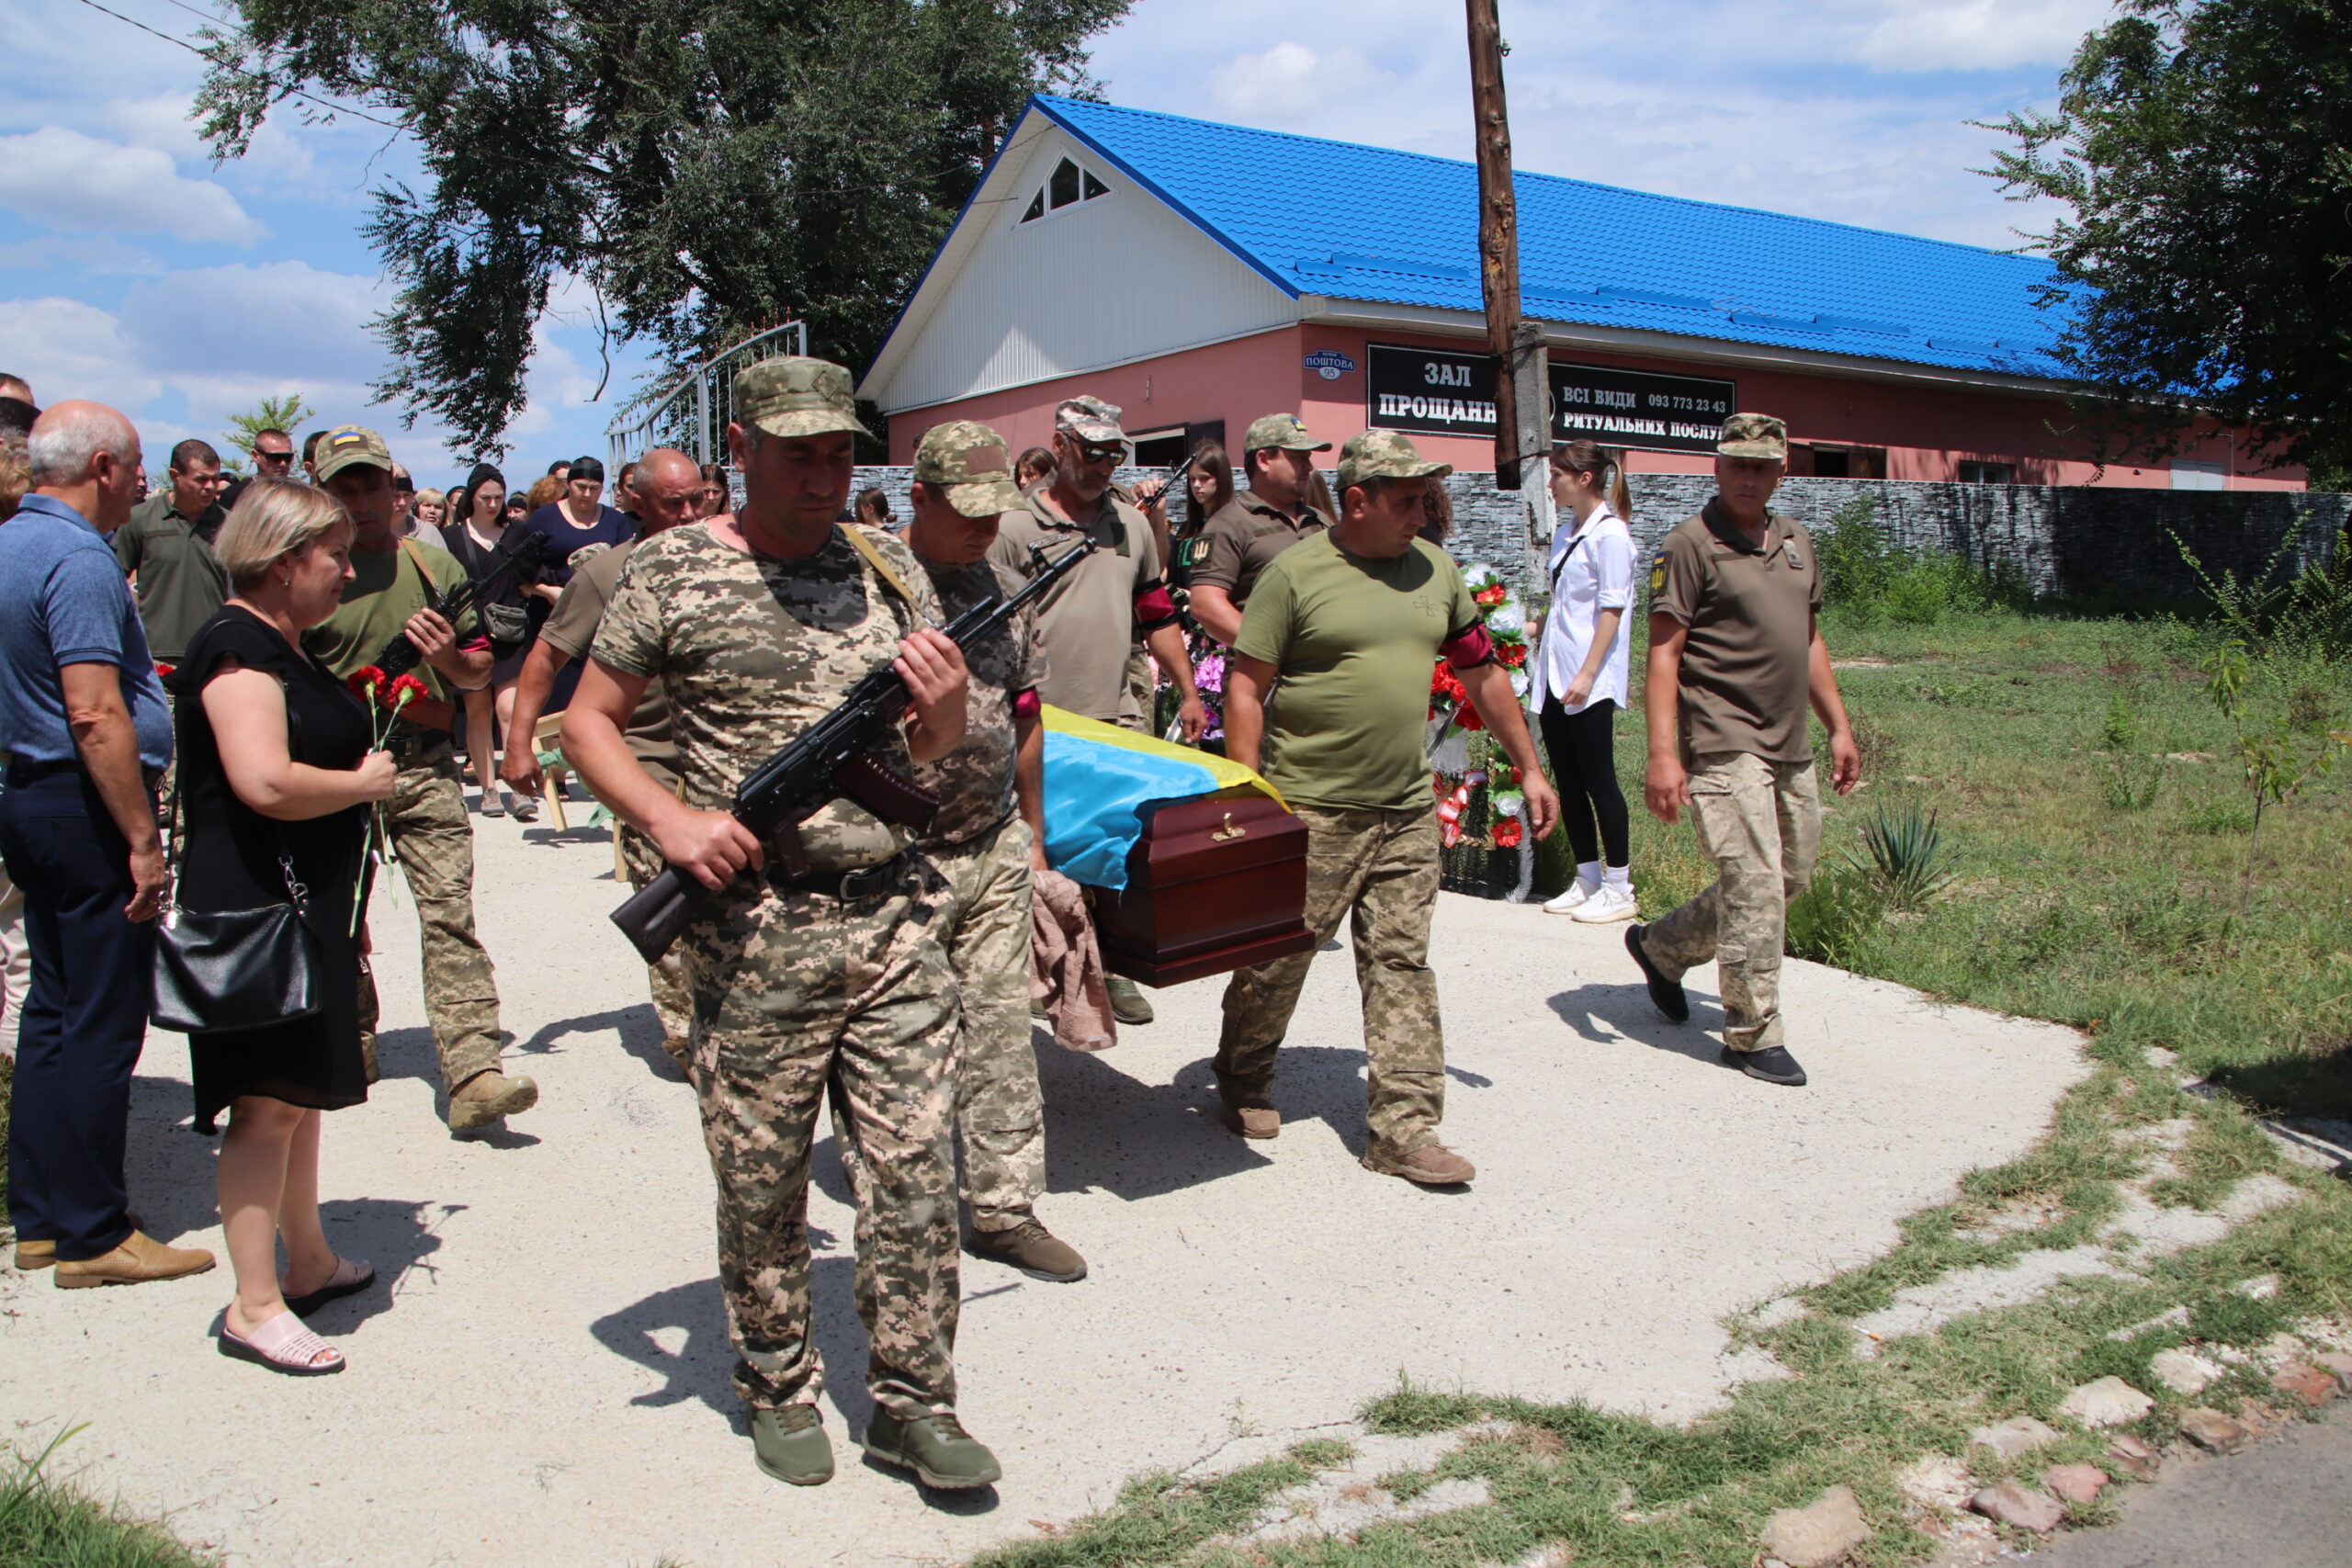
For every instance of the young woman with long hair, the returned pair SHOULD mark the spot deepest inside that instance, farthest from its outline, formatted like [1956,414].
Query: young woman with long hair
[1580,675]
[476,534]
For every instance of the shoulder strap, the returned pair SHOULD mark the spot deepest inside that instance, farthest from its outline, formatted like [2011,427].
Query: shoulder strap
[882,567]
[416,558]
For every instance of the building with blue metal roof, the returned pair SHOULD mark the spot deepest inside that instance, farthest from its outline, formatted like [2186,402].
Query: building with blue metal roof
[1200,274]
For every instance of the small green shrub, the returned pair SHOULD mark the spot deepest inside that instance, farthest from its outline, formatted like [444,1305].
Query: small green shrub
[2216,816]
[2130,780]
[1830,919]
[1909,862]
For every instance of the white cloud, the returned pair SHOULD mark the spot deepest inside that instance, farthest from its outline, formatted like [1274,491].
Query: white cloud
[72,181]
[98,257]
[281,318]
[68,349]
[1979,35]
[1291,81]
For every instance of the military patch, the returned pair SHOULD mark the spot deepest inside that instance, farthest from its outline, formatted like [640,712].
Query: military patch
[1657,577]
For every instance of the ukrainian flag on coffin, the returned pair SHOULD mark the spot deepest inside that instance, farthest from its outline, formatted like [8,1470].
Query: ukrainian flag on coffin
[1096,776]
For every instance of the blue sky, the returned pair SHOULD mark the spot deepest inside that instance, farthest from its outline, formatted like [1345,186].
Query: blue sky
[134,270]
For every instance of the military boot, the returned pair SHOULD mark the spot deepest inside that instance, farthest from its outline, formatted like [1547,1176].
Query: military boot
[486,1098]
[1032,1249]
[1128,1004]
[936,1448]
[790,1444]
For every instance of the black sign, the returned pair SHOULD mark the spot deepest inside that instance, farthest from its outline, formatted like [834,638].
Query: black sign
[1440,392]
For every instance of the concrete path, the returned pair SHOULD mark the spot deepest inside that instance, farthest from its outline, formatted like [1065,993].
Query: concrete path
[546,1378]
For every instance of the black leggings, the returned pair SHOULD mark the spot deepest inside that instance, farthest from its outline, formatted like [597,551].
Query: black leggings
[1584,769]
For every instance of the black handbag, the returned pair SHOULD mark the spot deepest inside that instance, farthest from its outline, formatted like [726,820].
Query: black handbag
[218,970]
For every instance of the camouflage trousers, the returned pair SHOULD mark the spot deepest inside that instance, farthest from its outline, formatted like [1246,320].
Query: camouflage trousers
[674,1002]
[794,990]
[1759,821]
[435,844]
[999,1110]
[1381,869]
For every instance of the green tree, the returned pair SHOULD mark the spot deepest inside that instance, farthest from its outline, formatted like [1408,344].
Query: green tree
[707,168]
[2204,153]
[285,413]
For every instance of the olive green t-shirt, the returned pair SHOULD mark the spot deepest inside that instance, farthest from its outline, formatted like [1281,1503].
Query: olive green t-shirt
[1745,666]
[1353,640]
[572,631]
[181,583]
[385,589]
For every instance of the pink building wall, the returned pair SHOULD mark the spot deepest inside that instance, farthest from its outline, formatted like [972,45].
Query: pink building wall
[1927,431]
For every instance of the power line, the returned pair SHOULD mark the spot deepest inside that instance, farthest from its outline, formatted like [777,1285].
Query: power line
[249,76]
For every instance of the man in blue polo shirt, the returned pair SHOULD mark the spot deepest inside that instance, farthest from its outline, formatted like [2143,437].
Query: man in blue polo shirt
[84,728]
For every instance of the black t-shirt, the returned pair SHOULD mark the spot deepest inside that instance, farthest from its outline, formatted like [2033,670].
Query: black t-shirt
[564,537]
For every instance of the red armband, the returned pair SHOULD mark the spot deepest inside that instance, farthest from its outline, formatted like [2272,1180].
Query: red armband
[1469,647]
[474,647]
[1154,608]
[1027,704]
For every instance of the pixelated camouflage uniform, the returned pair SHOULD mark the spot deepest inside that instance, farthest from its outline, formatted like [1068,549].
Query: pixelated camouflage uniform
[981,847]
[1382,867]
[1759,821]
[795,987]
[673,1000]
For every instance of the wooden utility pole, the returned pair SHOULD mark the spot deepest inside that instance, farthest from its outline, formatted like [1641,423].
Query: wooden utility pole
[1498,229]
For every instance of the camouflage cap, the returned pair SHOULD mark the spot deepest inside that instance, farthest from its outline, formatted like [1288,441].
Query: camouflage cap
[972,464]
[348,446]
[1285,431]
[1384,455]
[1089,419]
[1755,435]
[797,396]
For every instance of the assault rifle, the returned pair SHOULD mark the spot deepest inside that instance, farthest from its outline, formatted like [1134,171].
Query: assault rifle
[400,655]
[832,758]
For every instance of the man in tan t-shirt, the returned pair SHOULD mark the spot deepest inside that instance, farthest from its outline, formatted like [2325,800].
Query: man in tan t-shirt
[668,487]
[1260,523]
[1735,655]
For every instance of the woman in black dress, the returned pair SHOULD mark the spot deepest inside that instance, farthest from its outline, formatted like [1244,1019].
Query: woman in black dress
[275,778]
[477,534]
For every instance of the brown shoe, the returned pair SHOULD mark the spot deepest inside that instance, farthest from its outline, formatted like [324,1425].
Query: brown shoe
[1032,1249]
[1431,1165]
[1255,1119]
[487,1096]
[32,1255]
[140,1258]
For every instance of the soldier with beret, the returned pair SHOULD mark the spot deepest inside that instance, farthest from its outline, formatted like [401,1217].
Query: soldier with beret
[1248,532]
[1089,622]
[757,625]
[1735,656]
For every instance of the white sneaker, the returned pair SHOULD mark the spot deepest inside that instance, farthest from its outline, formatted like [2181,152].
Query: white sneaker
[1605,905]
[1565,903]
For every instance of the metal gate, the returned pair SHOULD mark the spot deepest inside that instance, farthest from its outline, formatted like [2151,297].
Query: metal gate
[693,413]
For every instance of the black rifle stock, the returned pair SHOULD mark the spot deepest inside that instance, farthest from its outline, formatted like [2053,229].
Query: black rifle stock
[400,655]
[828,760]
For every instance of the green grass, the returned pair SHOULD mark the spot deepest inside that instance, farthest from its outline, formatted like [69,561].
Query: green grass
[46,1525]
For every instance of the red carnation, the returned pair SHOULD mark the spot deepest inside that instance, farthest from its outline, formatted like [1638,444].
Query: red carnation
[1491,595]
[1512,654]
[163,671]
[1439,678]
[365,681]
[1507,833]
[405,690]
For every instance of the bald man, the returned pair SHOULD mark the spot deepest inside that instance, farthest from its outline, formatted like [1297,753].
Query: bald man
[15,387]
[87,735]
[667,490]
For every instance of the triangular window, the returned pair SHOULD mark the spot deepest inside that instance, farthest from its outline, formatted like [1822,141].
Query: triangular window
[1070,185]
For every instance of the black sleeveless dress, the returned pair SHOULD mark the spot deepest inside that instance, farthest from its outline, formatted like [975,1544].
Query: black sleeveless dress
[231,862]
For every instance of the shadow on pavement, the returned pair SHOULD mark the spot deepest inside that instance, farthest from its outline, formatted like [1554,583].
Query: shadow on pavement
[1135,1140]
[167,1165]
[393,1236]
[1604,1015]
[638,1028]
[408,1054]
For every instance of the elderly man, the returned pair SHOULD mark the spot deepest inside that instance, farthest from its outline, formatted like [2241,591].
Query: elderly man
[667,487]
[87,734]
[1735,656]
[1350,621]
[990,833]
[1088,624]
[166,550]
[1260,523]
[394,587]
[821,967]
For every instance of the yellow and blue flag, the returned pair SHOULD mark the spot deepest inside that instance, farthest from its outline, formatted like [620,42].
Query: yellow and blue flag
[1099,775]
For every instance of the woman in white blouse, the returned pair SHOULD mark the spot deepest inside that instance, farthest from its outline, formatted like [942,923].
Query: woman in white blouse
[1580,675]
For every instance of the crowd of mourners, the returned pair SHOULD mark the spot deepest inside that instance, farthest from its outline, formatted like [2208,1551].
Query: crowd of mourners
[231,706]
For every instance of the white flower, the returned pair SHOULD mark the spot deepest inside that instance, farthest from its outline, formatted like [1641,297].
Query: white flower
[1519,684]
[1505,617]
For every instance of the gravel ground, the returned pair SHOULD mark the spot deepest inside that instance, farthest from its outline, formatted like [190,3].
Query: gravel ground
[543,1376]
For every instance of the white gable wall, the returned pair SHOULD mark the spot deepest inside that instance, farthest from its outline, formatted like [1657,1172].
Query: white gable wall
[1104,283]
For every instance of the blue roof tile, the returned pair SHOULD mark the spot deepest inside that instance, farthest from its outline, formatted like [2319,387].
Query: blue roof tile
[1355,222]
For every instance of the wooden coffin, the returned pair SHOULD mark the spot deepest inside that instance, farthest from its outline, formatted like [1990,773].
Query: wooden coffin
[1212,885]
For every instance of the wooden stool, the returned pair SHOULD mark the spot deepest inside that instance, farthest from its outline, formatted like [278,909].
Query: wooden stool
[550,726]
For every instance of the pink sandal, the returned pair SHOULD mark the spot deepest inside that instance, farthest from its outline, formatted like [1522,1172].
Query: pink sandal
[351,1276]
[282,1344]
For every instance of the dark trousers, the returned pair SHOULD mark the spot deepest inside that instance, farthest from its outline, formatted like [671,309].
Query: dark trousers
[85,1019]
[1583,750]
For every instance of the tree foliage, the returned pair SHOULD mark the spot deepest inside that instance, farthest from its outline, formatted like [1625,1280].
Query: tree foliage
[2204,153]
[285,413]
[706,168]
